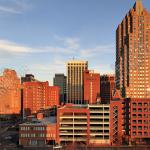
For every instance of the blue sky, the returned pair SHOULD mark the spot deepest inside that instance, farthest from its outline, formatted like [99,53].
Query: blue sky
[39,36]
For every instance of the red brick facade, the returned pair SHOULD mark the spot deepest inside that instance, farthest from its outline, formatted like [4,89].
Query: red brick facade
[37,95]
[116,121]
[132,53]
[139,123]
[37,133]
[91,87]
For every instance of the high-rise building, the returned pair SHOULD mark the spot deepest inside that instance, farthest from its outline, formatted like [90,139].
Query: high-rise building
[133,53]
[39,95]
[10,95]
[107,87]
[75,71]
[91,87]
[60,80]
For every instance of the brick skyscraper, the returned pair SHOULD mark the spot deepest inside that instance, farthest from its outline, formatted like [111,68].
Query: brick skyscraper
[75,71]
[91,87]
[133,53]
[10,94]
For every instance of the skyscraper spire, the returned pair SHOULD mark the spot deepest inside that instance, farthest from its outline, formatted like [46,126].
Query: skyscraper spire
[138,6]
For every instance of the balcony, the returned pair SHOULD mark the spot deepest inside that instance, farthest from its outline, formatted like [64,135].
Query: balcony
[73,139]
[66,128]
[71,117]
[71,133]
[75,122]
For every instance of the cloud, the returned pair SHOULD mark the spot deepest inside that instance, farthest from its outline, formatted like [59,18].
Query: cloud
[12,47]
[13,6]
[65,46]
[46,71]
[101,49]
[54,57]
[15,48]
[8,10]
[71,43]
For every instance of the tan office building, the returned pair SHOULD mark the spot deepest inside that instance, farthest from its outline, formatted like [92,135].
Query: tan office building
[75,70]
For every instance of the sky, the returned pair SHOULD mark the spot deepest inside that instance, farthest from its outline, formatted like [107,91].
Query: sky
[40,36]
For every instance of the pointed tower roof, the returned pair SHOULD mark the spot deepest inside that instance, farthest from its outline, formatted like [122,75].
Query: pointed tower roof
[116,94]
[138,6]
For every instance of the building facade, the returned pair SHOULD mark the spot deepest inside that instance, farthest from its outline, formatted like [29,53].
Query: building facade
[91,87]
[61,80]
[73,125]
[53,96]
[89,124]
[133,53]
[117,121]
[10,93]
[139,120]
[38,132]
[75,71]
[99,125]
[107,85]
[39,95]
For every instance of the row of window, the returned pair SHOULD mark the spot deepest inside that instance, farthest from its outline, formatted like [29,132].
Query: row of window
[140,104]
[140,134]
[140,121]
[140,110]
[32,128]
[140,115]
[27,135]
[140,128]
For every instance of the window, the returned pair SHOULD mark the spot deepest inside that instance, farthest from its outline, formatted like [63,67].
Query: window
[139,121]
[134,109]
[134,104]
[145,128]
[145,104]
[140,110]
[134,121]
[139,104]
[145,133]
[139,127]
[145,110]
[134,133]
[139,115]
[145,121]
[134,127]
[134,115]
[139,133]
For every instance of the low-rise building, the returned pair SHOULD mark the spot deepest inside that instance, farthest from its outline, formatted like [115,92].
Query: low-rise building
[139,120]
[38,132]
[73,124]
[85,124]
[99,124]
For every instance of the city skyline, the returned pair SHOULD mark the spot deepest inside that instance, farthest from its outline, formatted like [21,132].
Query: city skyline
[100,97]
[31,35]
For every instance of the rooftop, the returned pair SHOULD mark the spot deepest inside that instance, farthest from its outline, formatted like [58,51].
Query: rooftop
[44,121]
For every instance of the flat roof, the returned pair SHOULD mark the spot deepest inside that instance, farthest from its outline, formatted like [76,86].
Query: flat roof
[44,121]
